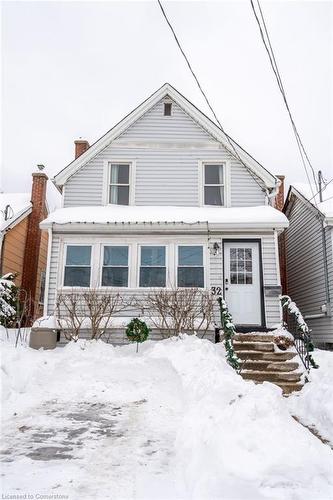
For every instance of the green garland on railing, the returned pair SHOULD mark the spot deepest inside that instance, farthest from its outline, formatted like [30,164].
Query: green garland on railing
[229,331]
[301,325]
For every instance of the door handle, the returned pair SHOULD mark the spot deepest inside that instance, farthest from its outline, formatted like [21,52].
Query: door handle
[226,284]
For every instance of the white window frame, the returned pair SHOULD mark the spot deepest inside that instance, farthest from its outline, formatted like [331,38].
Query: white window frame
[204,263]
[101,260]
[64,259]
[131,179]
[226,181]
[134,245]
[138,264]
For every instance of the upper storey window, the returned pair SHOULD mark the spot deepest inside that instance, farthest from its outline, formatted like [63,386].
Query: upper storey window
[119,183]
[214,185]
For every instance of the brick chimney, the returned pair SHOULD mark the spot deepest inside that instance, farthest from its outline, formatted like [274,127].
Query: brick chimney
[279,198]
[33,239]
[80,147]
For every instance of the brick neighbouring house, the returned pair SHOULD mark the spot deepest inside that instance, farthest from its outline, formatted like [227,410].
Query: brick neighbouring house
[23,246]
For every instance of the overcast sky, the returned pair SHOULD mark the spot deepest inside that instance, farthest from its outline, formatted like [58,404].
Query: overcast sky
[73,69]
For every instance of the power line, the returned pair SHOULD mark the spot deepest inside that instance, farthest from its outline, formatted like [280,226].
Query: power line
[204,94]
[272,59]
[325,186]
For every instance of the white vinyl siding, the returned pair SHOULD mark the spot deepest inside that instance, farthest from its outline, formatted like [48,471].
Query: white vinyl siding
[166,151]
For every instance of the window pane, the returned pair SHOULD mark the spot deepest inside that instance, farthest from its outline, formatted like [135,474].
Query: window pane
[214,195]
[153,256]
[119,195]
[233,266]
[241,254]
[248,253]
[119,174]
[190,256]
[77,276]
[213,174]
[241,278]
[191,277]
[115,256]
[249,278]
[233,253]
[233,278]
[115,276]
[78,255]
[152,276]
[248,265]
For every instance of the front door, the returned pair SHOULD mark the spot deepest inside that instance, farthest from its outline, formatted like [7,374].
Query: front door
[242,282]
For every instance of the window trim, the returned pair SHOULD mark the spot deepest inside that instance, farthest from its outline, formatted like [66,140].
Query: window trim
[204,264]
[64,259]
[226,181]
[134,244]
[101,265]
[107,178]
[138,264]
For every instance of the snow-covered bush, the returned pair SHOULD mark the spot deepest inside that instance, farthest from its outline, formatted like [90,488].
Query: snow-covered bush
[8,299]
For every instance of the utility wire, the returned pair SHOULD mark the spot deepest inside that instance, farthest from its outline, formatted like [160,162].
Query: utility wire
[272,59]
[205,96]
[323,189]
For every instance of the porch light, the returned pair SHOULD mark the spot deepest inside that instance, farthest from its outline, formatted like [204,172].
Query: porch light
[215,249]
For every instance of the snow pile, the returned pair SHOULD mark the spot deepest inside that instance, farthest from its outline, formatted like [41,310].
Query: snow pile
[187,426]
[314,404]
[111,214]
[238,439]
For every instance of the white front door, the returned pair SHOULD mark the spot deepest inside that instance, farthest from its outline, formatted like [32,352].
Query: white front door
[242,282]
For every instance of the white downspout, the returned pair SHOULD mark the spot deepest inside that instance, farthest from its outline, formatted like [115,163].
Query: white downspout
[47,277]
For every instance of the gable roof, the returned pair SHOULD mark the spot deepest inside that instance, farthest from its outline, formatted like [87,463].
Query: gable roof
[20,207]
[303,193]
[198,116]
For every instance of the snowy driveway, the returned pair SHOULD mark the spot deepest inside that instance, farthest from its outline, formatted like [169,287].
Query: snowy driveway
[173,422]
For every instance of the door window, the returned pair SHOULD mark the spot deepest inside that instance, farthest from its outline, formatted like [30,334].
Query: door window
[241,266]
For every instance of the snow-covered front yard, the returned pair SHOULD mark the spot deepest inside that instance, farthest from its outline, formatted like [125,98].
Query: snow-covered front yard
[90,421]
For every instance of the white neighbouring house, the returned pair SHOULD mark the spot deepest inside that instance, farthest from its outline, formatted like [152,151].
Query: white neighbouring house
[164,200]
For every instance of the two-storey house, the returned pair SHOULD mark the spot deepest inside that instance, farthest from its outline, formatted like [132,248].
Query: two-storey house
[166,199]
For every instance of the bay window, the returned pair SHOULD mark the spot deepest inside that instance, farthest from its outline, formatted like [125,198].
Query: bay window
[77,265]
[190,270]
[115,266]
[152,266]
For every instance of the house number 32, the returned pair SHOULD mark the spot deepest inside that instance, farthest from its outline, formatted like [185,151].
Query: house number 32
[216,290]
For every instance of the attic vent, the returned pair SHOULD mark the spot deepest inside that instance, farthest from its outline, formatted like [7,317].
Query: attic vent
[167,108]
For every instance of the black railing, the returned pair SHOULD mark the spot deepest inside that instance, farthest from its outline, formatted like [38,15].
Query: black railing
[300,331]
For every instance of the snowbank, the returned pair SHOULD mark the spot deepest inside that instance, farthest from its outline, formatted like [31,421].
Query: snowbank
[217,436]
[229,217]
[314,404]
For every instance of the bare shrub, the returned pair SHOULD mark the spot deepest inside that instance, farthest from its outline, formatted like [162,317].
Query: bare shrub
[70,314]
[88,309]
[180,310]
[101,308]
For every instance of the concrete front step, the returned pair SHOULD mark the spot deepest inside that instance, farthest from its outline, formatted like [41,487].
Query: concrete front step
[253,346]
[267,356]
[263,376]
[270,366]
[289,387]
[253,337]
